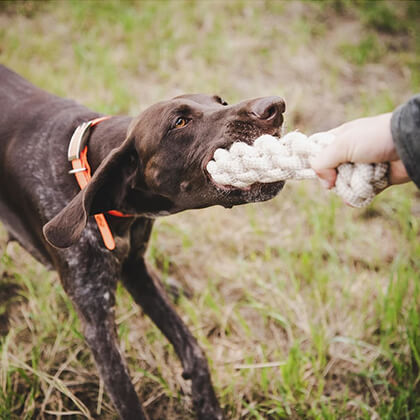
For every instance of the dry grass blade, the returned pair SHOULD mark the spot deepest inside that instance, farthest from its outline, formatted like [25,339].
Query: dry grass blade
[53,382]
[56,377]
[259,365]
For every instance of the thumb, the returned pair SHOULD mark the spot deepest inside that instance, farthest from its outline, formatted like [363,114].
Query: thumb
[327,177]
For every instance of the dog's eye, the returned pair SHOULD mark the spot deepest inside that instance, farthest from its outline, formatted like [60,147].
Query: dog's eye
[181,122]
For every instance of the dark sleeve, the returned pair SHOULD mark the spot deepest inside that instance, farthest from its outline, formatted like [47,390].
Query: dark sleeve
[405,128]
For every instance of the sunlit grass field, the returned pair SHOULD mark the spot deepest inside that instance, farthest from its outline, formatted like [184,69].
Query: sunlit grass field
[306,308]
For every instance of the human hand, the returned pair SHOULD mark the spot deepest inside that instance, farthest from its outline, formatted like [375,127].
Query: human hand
[365,140]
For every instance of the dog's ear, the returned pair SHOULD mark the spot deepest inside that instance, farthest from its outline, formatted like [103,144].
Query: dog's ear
[67,226]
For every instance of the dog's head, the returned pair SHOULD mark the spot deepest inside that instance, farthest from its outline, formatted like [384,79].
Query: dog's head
[160,168]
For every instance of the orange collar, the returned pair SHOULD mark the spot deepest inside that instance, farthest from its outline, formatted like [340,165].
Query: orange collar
[77,155]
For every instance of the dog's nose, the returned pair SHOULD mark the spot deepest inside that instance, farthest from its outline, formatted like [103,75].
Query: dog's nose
[268,108]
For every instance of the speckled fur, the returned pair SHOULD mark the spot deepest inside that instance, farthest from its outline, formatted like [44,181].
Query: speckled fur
[142,167]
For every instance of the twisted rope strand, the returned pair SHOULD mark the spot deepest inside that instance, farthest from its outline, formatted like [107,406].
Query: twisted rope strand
[271,159]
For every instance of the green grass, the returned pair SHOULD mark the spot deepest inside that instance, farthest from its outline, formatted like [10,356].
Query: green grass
[365,51]
[306,309]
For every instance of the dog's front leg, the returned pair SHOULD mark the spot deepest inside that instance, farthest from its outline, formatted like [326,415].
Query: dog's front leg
[91,286]
[148,292]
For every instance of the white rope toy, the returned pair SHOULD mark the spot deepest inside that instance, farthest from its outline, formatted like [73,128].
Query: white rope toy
[271,159]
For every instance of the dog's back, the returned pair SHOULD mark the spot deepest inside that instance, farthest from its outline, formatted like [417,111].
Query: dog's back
[33,158]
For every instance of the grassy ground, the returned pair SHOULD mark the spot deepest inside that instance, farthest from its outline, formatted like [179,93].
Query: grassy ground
[306,308]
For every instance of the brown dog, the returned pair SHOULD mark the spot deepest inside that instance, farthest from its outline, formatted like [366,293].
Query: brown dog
[145,167]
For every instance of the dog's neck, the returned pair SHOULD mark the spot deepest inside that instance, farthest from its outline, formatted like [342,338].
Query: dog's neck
[106,136]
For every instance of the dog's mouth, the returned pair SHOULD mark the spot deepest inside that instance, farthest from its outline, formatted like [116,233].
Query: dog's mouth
[227,187]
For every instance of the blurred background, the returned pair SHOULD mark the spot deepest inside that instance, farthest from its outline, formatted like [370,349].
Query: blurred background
[306,308]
